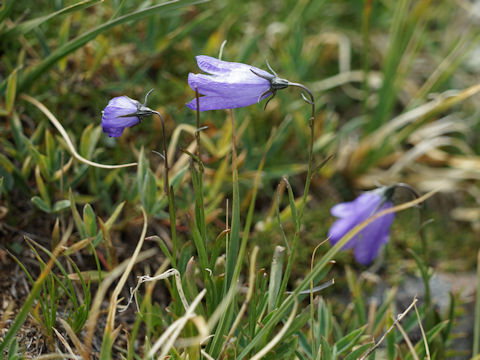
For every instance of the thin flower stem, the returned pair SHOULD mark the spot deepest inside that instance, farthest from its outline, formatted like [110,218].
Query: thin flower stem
[173,226]
[422,235]
[234,143]
[249,218]
[234,235]
[298,225]
[311,124]
[197,132]
[168,191]
[166,185]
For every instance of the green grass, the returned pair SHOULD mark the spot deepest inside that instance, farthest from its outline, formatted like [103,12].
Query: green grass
[396,97]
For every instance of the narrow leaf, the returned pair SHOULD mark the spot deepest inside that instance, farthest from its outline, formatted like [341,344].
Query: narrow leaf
[29,25]
[61,205]
[11,90]
[39,203]
[275,277]
[81,40]
[89,220]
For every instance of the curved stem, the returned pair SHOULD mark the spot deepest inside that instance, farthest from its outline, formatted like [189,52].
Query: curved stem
[307,90]
[298,224]
[311,124]
[407,187]
[421,230]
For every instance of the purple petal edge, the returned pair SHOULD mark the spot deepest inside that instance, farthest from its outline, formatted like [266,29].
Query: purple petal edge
[215,66]
[212,102]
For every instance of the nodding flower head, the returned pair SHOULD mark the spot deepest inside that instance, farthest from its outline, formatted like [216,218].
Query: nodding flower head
[122,112]
[367,243]
[231,85]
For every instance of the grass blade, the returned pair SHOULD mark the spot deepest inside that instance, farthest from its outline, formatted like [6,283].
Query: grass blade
[81,40]
[288,302]
[6,9]
[29,25]
[37,287]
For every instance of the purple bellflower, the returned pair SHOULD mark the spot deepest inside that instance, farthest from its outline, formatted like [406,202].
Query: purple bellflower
[232,85]
[122,112]
[367,243]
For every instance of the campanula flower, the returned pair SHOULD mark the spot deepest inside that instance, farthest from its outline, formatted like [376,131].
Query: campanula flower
[230,85]
[122,112]
[367,243]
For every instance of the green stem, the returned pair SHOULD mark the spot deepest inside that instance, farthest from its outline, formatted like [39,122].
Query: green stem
[248,222]
[173,227]
[197,131]
[168,191]
[232,252]
[166,185]
[298,224]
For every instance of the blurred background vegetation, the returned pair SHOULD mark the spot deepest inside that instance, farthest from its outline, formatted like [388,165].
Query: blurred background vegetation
[396,85]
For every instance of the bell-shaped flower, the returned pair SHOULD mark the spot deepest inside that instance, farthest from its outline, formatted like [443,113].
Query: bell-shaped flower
[230,85]
[122,112]
[368,242]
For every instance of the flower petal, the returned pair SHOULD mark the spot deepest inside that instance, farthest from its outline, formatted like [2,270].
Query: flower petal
[366,243]
[212,102]
[215,66]
[368,203]
[369,250]
[112,118]
[340,228]
[223,86]
[352,214]
[372,238]
[124,102]
[113,131]
[343,209]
